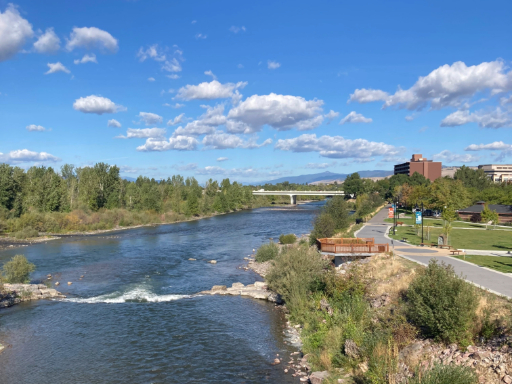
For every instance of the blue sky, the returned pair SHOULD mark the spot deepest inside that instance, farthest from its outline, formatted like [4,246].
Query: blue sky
[254,91]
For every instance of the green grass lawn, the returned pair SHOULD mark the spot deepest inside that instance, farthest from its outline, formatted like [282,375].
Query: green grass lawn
[461,239]
[499,263]
[439,223]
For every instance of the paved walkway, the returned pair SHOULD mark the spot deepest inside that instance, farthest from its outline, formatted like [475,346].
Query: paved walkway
[494,281]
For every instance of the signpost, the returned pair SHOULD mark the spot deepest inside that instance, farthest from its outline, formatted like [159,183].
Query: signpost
[418,217]
[391,213]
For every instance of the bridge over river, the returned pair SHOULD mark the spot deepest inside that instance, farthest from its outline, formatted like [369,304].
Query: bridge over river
[293,194]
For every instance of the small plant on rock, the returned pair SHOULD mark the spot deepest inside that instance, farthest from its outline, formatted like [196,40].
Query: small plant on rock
[17,270]
[446,374]
[288,239]
[267,252]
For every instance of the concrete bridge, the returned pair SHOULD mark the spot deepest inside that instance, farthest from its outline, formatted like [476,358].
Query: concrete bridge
[293,194]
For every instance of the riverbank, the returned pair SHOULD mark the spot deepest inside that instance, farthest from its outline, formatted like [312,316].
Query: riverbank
[9,242]
[375,289]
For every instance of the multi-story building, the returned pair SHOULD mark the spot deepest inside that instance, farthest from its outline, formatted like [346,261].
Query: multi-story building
[428,168]
[498,172]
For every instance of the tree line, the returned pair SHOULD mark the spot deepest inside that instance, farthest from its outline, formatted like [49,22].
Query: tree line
[466,188]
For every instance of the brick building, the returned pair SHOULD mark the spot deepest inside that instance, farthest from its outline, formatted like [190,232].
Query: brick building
[428,168]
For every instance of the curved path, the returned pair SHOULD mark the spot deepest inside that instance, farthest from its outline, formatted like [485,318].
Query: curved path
[494,281]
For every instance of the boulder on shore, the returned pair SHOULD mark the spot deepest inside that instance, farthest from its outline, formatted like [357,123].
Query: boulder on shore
[258,290]
[318,377]
[17,293]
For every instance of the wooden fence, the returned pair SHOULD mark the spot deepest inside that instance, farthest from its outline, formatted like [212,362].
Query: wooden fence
[347,245]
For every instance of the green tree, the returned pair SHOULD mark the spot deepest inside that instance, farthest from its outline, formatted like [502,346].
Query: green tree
[17,270]
[337,208]
[489,216]
[472,178]
[323,226]
[353,184]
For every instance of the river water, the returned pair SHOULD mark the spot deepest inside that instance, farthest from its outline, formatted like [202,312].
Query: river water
[134,317]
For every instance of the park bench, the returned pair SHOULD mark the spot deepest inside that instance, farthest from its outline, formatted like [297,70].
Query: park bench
[433,245]
[399,223]
[455,251]
[424,244]
[445,246]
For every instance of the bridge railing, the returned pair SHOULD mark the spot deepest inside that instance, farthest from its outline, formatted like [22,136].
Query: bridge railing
[347,240]
[352,245]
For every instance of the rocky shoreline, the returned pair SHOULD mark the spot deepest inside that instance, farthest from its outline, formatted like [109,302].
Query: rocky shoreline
[13,294]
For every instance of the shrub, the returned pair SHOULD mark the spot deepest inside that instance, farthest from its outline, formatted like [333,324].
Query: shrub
[267,252]
[18,270]
[442,304]
[446,374]
[294,273]
[26,233]
[288,239]
[323,226]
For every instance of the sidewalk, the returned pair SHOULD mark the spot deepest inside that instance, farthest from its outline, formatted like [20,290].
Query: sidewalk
[493,281]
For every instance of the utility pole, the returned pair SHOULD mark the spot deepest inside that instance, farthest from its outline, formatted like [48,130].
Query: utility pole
[422,222]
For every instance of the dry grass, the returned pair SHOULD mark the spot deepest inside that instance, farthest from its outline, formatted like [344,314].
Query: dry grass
[392,274]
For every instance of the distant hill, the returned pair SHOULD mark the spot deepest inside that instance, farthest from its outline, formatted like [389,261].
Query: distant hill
[324,177]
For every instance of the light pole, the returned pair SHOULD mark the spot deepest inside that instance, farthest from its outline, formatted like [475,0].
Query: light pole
[422,222]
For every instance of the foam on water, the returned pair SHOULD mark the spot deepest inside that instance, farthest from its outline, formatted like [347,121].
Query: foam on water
[136,295]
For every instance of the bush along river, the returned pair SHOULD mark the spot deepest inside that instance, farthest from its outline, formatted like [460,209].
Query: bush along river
[134,316]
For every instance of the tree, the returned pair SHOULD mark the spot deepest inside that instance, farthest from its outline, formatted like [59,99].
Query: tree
[472,178]
[337,208]
[17,270]
[353,185]
[489,216]
[323,226]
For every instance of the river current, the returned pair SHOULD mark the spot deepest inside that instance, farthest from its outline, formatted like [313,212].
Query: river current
[134,317]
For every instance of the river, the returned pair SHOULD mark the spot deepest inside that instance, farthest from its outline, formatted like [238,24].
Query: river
[133,317]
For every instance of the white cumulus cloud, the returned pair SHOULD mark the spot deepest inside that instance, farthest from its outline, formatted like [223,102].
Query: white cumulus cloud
[223,140]
[96,104]
[114,123]
[210,73]
[144,133]
[495,146]
[354,117]
[150,118]
[26,156]
[281,112]
[331,116]
[151,79]
[320,165]
[209,91]
[485,119]
[448,85]
[153,52]
[179,143]
[273,64]
[56,67]
[368,96]
[236,29]
[35,128]
[14,32]
[48,42]
[86,59]
[91,38]
[337,147]
[219,159]
[449,157]
[177,120]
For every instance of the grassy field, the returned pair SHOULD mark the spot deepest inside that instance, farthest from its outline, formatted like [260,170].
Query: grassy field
[499,263]
[439,223]
[498,240]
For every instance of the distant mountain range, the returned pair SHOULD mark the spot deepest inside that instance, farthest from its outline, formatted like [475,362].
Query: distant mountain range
[324,177]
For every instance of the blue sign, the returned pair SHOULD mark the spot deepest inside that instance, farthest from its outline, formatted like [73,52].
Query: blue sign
[418,217]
